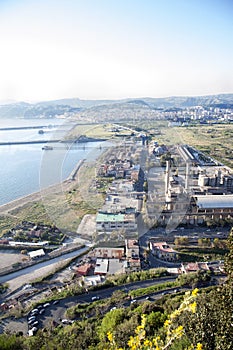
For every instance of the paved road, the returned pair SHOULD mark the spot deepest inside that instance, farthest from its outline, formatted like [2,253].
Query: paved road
[57,312]
[25,276]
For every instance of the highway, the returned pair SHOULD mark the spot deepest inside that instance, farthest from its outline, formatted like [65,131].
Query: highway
[58,311]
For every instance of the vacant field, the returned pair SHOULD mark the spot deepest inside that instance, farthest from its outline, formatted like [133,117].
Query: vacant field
[214,140]
[10,257]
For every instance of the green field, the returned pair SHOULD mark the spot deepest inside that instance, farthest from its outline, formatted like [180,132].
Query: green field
[214,140]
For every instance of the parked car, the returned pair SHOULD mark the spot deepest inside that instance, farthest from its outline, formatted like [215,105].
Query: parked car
[31,318]
[95,298]
[31,322]
[32,331]
[65,321]
[34,311]
[46,305]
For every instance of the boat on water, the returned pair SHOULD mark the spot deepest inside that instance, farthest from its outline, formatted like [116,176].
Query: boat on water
[47,148]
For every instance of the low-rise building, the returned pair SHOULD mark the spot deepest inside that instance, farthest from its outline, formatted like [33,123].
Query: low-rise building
[92,280]
[83,270]
[132,265]
[163,251]
[101,267]
[132,248]
[36,253]
[114,221]
[106,252]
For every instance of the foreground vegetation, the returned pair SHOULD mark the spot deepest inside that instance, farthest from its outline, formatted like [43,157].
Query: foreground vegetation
[198,320]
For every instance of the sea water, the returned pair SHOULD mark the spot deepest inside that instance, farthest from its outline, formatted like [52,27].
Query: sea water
[27,168]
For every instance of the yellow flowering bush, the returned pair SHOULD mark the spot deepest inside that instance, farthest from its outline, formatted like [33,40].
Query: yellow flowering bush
[139,340]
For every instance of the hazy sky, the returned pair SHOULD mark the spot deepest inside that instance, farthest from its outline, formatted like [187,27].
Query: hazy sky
[115,49]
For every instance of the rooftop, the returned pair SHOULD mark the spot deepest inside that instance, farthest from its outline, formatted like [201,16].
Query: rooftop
[132,243]
[215,201]
[101,266]
[163,246]
[106,217]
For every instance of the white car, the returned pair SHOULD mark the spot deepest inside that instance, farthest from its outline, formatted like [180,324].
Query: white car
[46,305]
[34,311]
[31,318]
[32,331]
[30,322]
[65,321]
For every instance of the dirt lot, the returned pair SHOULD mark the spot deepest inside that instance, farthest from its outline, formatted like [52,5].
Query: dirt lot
[9,257]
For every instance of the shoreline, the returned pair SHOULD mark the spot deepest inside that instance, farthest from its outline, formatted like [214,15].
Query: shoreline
[38,195]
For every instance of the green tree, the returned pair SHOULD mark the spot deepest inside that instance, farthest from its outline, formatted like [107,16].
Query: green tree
[181,240]
[204,242]
[212,323]
[110,321]
[11,342]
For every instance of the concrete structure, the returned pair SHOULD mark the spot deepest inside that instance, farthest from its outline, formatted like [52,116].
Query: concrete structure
[105,252]
[132,249]
[101,267]
[214,207]
[111,222]
[92,280]
[28,244]
[115,266]
[132,265]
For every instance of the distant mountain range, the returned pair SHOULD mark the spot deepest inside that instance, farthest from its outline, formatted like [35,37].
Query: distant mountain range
[88,108]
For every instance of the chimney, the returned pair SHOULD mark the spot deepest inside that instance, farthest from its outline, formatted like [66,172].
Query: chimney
[187,175]
[167,176]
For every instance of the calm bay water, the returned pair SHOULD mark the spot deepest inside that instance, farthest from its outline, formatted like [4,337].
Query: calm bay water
[25,169]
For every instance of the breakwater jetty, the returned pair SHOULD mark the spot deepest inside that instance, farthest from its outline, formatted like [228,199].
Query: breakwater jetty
[9,143]
[29,127]
[76,169]
[80,139]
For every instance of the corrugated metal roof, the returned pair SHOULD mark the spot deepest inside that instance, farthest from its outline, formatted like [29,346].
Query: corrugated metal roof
[215,201]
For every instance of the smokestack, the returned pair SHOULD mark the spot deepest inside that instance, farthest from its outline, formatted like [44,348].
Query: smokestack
[167,176]
[187,175]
